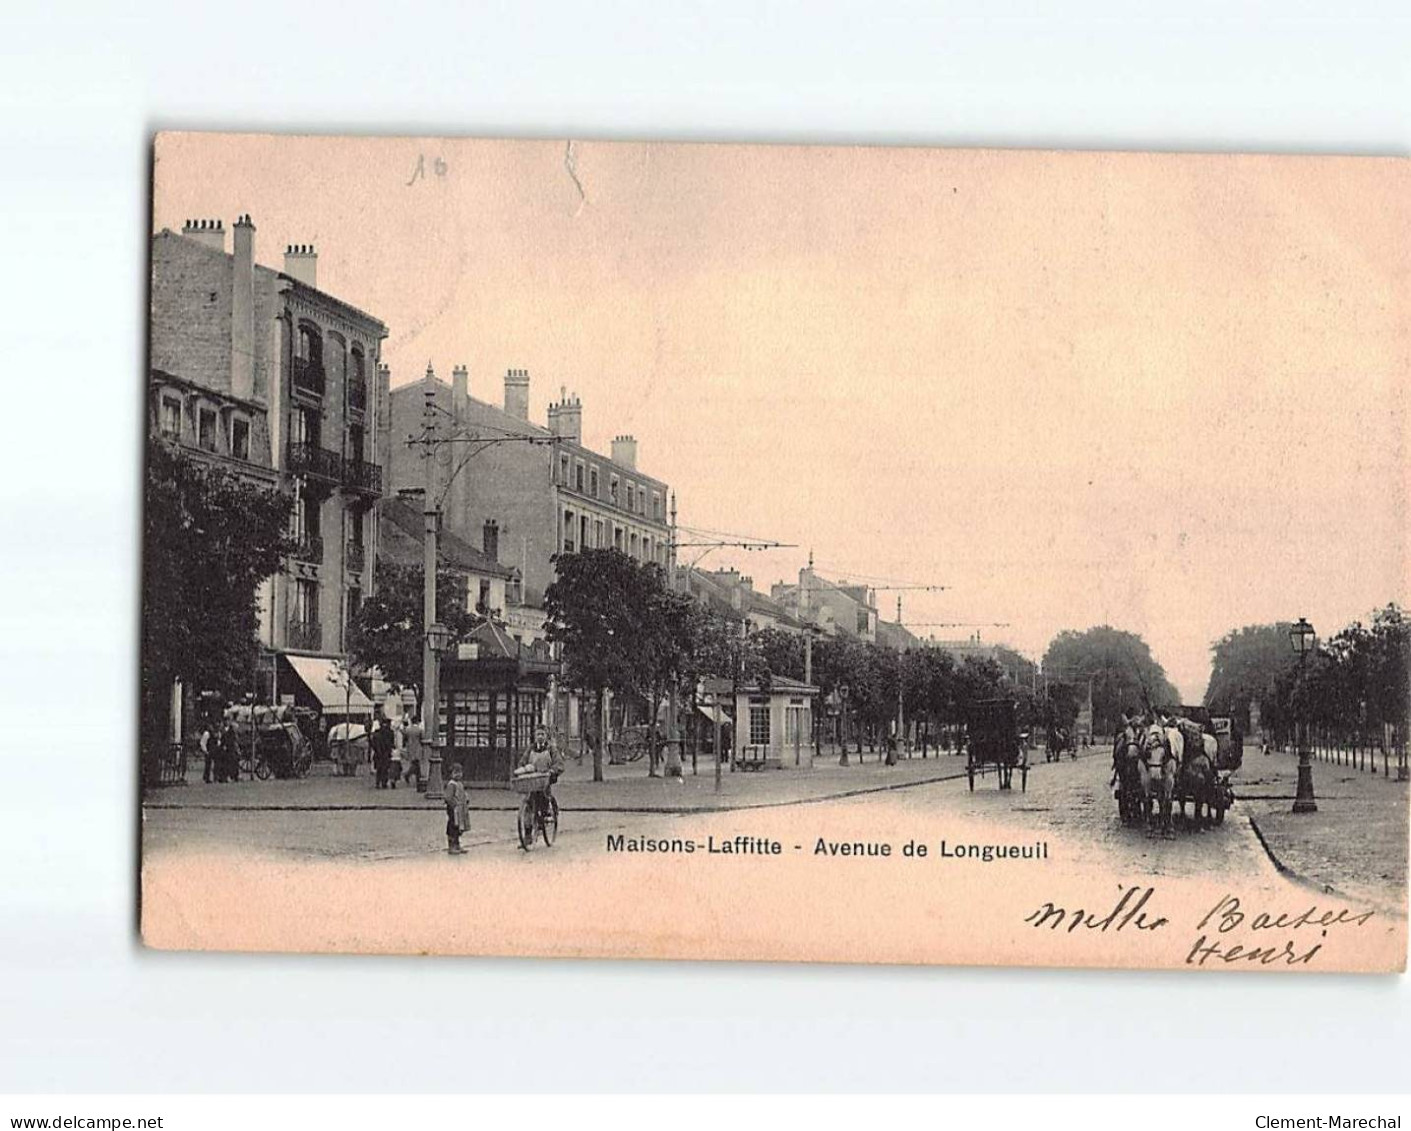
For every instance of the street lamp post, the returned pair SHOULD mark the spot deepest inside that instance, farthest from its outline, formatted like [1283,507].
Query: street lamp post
[438,638]
[1304,640]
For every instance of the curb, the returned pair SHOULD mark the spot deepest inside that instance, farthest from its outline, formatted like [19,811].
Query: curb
[658,809]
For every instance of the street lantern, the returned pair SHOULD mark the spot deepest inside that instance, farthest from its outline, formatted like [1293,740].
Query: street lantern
[1304,640]
[438,637]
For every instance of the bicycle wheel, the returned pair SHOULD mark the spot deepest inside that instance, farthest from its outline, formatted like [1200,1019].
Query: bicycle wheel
[550,826]
[526,824]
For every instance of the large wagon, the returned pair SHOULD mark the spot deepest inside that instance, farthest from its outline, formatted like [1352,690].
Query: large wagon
[993,743]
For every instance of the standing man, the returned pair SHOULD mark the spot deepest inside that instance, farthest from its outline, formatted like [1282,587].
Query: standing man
[413,750]
[204,741]
[382,743]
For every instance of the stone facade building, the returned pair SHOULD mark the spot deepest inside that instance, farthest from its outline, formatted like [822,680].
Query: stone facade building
[261,370]
[543,499]
[832,606]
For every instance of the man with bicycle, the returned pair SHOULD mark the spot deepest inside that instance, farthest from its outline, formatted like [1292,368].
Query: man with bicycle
[544,757]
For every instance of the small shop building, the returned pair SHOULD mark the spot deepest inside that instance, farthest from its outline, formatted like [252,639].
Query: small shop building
[494,692]
[775,722]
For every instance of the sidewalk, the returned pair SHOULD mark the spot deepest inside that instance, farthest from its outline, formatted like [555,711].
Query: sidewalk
[1354,845]
[627,788]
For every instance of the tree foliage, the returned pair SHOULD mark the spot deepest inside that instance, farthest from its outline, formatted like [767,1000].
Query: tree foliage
[209,539]
[388,630]
[1125,677]
[1354,682]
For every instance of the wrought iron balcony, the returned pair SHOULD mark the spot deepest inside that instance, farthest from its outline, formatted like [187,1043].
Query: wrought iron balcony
[308,376]
[362,476]
[312,460]
[357,394]
[355,557]
[306,635]
[309,548]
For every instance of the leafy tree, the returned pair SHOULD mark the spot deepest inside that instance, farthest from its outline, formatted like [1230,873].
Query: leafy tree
[388,633]
[1125,677]
[209,539]
[1250,663]
[599,608]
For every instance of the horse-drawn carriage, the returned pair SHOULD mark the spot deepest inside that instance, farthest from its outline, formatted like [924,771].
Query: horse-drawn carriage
[1168,757]
[281,748]
[992,742]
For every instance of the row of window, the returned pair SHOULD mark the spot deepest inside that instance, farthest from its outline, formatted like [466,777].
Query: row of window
[305,427]
[304,524]
[348,365]
[583,478]
[304,614]
[584,532]
[231,438]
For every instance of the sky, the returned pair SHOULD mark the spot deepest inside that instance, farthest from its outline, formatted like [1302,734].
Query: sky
[1162,392]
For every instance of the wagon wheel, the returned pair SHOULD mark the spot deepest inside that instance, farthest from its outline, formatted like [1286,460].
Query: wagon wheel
[635,747]
[263,770]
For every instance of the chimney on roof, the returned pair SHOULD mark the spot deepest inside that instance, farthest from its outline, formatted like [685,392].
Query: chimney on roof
[491,540]
[460,391]
[242,310]
[208,232]
[566,416]
[517,393]
[624,451]
[301,262]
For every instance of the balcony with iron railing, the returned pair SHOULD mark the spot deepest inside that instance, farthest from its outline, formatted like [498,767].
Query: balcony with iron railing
[308,548]
[305,635]
[355,557]
[308,376]
[312,460]
[359,475]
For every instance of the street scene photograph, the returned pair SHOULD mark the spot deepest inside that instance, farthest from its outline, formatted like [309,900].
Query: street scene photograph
[775,553]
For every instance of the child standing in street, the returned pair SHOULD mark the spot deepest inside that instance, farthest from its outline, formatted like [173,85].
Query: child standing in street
[457,812]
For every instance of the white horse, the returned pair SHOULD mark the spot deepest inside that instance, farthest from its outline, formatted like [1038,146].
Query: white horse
[1162,750]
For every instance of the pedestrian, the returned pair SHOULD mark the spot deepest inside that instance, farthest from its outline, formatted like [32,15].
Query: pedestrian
[457,811]
[382,743]
[203,740]
[228,764]
[413,751]
[394,768]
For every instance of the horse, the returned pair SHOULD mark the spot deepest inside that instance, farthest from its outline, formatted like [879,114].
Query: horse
[1162,750]
[1196,779]
[1126,753]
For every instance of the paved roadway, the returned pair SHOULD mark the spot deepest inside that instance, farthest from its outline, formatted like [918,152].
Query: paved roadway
[1068,800]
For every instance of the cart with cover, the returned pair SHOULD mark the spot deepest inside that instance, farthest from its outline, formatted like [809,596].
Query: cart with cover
[993,743]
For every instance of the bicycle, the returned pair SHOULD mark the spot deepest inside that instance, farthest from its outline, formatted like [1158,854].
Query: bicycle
[538,811]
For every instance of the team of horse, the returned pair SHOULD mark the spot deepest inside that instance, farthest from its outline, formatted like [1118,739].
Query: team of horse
[1160,762]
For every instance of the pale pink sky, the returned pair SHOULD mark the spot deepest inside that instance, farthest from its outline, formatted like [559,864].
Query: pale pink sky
[1161,392]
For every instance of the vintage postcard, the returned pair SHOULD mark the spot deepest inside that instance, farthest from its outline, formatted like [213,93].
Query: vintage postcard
[776,553]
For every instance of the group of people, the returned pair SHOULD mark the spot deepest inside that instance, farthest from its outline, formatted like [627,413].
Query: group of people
[220,752]
[398,753]
[542,755]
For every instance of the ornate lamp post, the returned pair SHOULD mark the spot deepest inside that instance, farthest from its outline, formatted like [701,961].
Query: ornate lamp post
[438,639]
[1304,640]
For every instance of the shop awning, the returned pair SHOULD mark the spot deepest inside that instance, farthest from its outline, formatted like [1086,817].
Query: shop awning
[709,713]
[325,680]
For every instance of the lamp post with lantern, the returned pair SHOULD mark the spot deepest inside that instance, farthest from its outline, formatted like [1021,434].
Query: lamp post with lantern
[1304,640]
